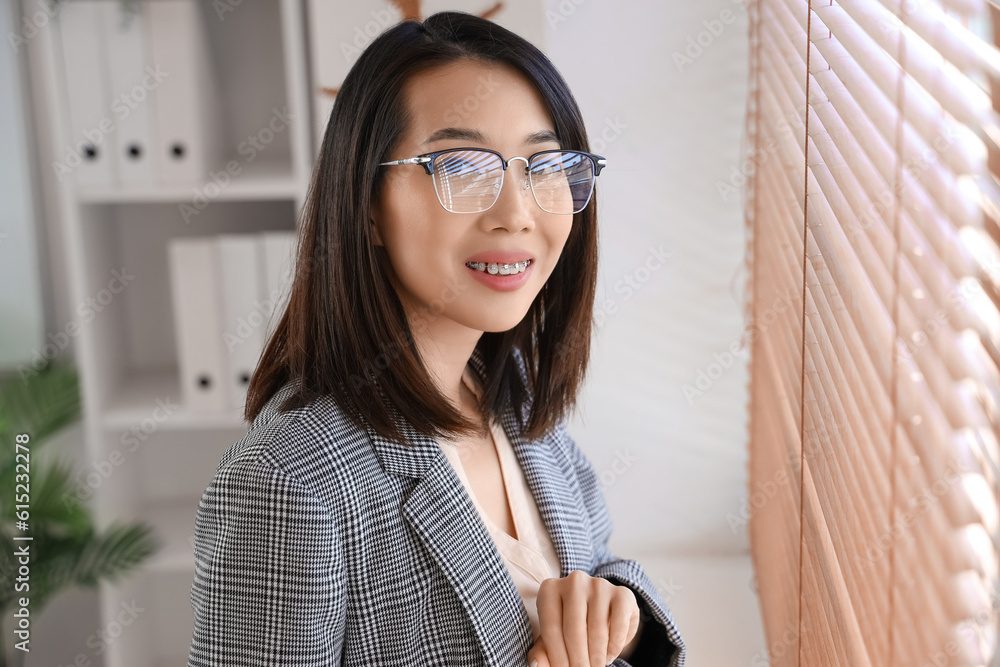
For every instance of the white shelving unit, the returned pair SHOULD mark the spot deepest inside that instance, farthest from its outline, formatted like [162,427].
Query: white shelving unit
[126,355]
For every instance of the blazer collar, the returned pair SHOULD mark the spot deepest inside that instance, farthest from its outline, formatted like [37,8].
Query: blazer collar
[415,457]
[440,511]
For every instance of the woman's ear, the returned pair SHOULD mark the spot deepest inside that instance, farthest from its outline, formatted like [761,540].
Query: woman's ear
[373,220]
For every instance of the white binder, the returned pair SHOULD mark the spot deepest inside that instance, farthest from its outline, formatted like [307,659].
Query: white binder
[90,155]
[133,89]
[243,322]
[185,105]
[278,262]
[197,304]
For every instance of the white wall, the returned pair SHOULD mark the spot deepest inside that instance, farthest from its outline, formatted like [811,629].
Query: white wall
[674,468]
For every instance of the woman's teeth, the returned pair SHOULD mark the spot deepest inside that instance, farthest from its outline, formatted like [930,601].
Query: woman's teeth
[499,269]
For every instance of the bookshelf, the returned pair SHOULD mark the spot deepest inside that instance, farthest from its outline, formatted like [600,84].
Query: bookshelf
[163,454]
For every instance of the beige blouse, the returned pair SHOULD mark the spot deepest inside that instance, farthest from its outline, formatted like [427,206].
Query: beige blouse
[530,558]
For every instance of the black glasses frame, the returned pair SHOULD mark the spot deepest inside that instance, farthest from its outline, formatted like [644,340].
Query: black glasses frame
[427,159]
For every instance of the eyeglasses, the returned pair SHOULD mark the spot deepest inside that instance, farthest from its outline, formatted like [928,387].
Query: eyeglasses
[468,180]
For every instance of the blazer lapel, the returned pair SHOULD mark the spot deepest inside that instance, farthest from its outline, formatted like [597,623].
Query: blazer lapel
[440,511]
[558,506]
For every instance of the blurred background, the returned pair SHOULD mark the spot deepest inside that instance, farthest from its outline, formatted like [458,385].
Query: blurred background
[149,141]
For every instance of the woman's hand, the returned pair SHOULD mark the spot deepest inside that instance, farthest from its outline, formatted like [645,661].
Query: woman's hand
[585,621]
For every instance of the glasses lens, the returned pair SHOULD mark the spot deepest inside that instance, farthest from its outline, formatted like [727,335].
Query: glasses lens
[563,181]
[467,181]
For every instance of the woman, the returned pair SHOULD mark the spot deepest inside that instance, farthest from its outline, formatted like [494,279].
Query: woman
[389,505]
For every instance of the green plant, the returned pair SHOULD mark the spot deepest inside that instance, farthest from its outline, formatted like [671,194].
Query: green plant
[66,549]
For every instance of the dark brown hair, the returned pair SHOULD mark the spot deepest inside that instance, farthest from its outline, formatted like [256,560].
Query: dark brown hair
[344,332]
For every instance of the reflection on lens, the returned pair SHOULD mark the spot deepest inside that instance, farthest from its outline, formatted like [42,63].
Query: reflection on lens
[467,181]
[562,181]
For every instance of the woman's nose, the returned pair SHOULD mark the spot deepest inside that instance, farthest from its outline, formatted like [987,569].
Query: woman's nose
[516,209]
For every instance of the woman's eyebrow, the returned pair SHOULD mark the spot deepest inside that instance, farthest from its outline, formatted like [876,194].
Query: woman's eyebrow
[464,134]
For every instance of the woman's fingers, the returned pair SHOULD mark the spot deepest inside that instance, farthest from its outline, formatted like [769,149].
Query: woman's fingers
[576,602]
[623,621]
[537,657]
[598,618]
[549,605]
[585,621]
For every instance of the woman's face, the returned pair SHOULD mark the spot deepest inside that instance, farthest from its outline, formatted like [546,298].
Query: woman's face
[468,104]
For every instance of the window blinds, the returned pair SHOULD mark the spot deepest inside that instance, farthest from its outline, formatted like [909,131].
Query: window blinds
[873,309]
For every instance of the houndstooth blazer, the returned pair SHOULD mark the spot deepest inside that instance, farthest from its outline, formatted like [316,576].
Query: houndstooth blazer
[318,543]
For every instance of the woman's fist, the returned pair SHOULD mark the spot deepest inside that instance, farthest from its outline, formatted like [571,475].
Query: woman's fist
[585,621]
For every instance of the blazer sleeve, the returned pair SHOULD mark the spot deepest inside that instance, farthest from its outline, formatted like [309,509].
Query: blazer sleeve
[267,587]
[660,644]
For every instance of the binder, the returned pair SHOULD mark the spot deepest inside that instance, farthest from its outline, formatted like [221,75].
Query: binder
[132,89]
[197,302]
[278,263]
[243,319]
[90,156]
[184,107]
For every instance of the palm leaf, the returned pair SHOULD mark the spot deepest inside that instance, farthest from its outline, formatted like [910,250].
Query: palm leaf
[39,405]
[65,549]
[77,560]
[91,558]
